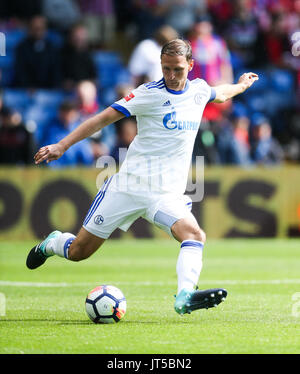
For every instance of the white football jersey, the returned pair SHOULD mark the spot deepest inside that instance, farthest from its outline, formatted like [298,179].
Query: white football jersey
[158,159]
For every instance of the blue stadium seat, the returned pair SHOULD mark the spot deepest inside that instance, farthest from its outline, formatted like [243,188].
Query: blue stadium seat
[7,76]
[108,96]
[282,81]
[256,103]
[55,38]
[256,117]
[275,102]
[124,76]
[13,38]
[262,84]
[273,92]
[6,70]
[110,69]
[17,99]
[41,116]
[236,62]
[283,89]
[48,98]
[5,61]
[239,109]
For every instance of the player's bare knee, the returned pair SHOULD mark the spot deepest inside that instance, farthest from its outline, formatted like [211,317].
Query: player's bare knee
[198,234]
[202,236]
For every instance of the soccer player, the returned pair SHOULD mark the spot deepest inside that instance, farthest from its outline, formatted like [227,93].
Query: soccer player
[152,179]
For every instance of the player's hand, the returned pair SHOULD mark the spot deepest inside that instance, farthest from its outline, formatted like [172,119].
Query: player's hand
[49,153]
[247,79]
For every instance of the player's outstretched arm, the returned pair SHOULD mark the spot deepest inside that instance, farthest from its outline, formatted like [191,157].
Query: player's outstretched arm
[87,128]
[225,92]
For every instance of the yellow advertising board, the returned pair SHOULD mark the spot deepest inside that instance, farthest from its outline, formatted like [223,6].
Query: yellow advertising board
[255,202]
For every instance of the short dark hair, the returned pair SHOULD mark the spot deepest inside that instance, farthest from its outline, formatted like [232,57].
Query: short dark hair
[177,47]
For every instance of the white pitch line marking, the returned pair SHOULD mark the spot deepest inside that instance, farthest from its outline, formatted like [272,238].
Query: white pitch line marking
[147,283]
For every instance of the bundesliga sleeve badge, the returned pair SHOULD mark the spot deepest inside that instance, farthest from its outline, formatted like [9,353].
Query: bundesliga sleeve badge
[129,97]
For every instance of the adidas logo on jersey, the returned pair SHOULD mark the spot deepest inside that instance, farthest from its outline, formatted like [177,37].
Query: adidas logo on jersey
[167,103]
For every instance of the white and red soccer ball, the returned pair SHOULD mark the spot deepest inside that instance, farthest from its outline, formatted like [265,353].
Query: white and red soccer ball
[105,304]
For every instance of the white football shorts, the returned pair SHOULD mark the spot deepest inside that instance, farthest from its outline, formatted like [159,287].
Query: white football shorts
[113,208]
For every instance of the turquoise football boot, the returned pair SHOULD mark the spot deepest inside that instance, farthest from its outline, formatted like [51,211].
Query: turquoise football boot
[189,300]
[37,256]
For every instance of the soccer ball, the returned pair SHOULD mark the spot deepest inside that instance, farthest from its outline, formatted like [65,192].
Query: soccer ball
[105,304]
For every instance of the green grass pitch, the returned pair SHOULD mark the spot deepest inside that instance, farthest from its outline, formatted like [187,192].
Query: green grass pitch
[45,308]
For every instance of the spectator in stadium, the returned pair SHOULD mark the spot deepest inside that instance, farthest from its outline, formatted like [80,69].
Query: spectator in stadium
[68,119]
[265,149]
[87,98]
[124,14]
[16,142]
[276,41]
[144,64]
[77,61]
[88,105]
[211,62]
[221,11]
[205,143]
[210,52]
[37,60]
[99,18]
[243,35]
[182,14]
[62,14]
[126,131]
[233,138]
[148,16]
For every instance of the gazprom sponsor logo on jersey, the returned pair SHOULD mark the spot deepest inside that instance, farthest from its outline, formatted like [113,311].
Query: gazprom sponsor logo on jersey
[171,123]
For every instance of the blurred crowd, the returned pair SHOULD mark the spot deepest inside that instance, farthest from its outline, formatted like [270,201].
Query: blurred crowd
[66,60]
